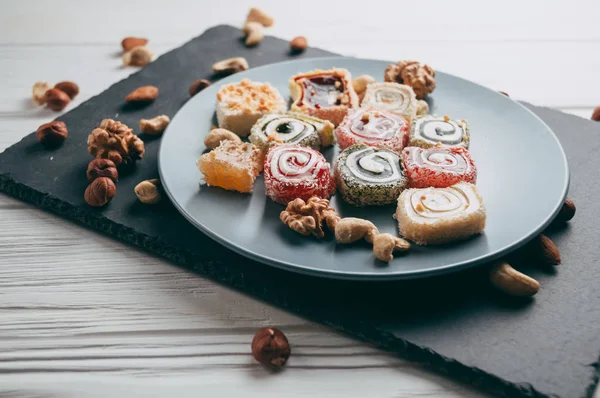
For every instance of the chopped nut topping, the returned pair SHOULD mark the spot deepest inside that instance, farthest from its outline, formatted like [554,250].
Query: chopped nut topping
[420,207]
[249,97]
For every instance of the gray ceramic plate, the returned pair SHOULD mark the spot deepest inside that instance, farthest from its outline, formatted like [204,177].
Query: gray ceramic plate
[523,179]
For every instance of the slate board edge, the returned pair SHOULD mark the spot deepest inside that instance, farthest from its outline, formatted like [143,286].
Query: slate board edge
[438,363]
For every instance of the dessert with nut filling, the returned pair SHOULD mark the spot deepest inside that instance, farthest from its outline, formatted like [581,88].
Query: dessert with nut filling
[240,105]
[326,94]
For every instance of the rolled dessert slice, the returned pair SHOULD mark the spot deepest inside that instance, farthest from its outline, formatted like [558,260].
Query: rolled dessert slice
[369,176]
[438,166]
[240,105]
[293,171]
[396,98]
[429,216]
[232,165]
[374,128]
[429,130]
[326,94]
[291,129]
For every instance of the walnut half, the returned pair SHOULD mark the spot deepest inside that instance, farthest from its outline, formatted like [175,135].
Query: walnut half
[115,141]
[420,77]
[306,218]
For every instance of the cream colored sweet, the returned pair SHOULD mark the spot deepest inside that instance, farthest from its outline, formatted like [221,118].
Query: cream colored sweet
[440,215]
[240,105]
[395,98]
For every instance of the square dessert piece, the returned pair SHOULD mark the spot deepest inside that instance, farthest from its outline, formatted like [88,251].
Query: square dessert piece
[374,128]
[429,130]
[292,129]
[232,165]
[240,105]
[438,166]
[369,176]
[396,98]
[326,94]
[439,215]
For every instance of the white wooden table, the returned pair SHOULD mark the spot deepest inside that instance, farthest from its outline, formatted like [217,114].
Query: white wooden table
[83,315]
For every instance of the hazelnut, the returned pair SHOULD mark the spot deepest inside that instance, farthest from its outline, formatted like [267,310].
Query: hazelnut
[596,115]
[138,56]
[57,99]
[52,134]
[100,192]
[198,86]
[230,65]
[567,212]
[142,94]
[39,92]
[129,43]
[69,88]
[298,44]
[258,15]
[147,191]
[102,168]
[154,126]
[270,347]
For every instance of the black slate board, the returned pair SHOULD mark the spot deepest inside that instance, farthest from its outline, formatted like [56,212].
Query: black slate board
[545,347]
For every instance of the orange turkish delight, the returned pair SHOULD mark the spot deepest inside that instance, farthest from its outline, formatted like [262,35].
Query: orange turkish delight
[232,165]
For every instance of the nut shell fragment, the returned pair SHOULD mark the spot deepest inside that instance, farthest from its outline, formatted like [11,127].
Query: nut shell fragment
[230,65]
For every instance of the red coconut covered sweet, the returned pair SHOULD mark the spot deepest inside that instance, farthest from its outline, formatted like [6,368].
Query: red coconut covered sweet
[297,172]
[374,128]
[438,167]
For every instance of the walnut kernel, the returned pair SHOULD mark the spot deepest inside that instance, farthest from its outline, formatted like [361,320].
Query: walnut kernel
[420,77]
[115,141]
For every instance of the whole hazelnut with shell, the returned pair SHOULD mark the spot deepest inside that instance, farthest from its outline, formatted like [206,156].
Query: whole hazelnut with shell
[102,168]
[100,192]
[271,347]
[52,134]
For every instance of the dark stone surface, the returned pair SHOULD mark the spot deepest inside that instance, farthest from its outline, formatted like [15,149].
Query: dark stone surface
[548,346]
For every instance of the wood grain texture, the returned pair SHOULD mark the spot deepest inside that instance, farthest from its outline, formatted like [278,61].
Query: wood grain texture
[83,315]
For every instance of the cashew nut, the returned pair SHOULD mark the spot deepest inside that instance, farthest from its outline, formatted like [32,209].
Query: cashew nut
[257,15]
[254,32]
[422,108]
[385,244]
[154,126]
[351,229]
[512,282]
[361,82]
[147,191]
[216,136]
[230,65]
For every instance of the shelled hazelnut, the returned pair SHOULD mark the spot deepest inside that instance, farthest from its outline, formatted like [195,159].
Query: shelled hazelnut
[100,192]
[102,168]
[271,347]
[147,191]
[52,134]
[69,88]
[57,99]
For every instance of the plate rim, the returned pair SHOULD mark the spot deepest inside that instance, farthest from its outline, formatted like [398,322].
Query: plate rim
[366,276]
